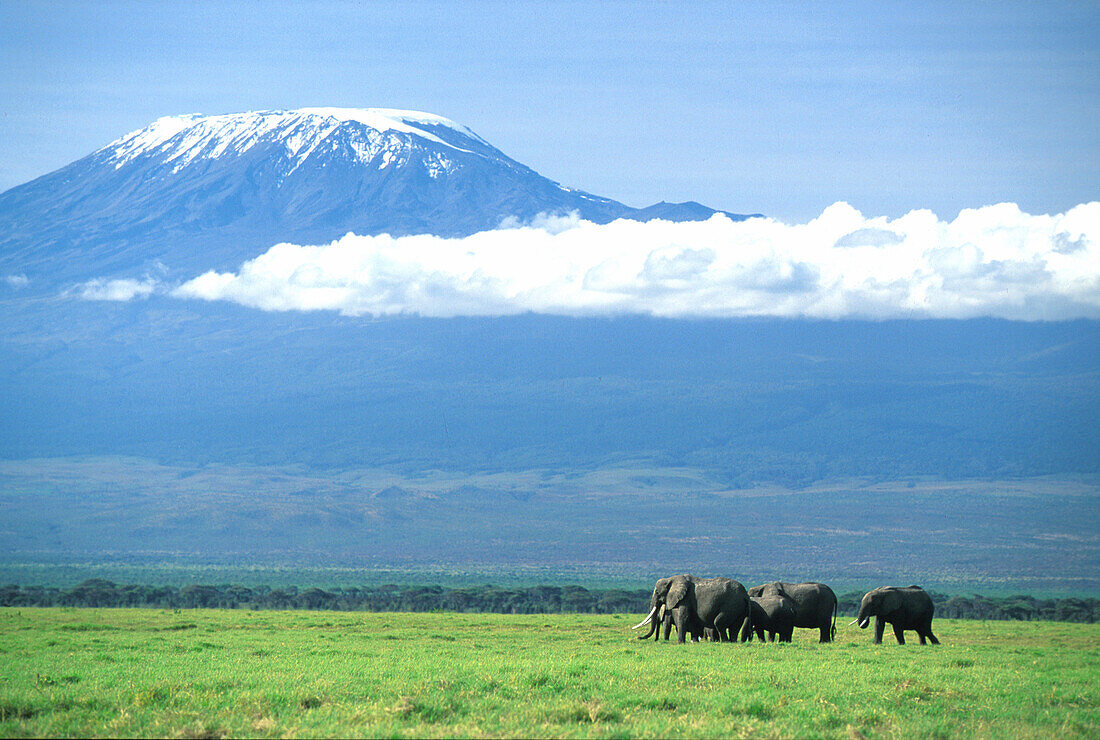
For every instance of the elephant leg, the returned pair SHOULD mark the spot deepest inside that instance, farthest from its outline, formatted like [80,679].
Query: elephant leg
[746,632]
[667,625]
[900,634]
[826,632]
[721,626]
[722,621]
[920,636]
[880,626]
[699,632]
[680,617]
[928,632]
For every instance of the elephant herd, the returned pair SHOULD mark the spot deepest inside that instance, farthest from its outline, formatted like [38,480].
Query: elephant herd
[721,609]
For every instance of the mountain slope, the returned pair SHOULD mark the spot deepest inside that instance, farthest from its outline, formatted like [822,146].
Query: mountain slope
[193,192]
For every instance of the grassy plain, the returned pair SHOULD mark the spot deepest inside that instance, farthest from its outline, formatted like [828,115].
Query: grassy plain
[130,672]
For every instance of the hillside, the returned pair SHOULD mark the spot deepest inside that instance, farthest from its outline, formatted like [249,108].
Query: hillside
[188,193]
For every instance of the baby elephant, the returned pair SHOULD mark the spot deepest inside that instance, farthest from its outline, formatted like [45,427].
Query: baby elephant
[908,608]
[773,611]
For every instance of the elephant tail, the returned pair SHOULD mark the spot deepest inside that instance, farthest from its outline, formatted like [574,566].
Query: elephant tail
[835,605]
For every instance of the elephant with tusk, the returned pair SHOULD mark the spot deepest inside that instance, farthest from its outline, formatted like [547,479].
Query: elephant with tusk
[717,607]
[650,621]
[663,617]
[908,608]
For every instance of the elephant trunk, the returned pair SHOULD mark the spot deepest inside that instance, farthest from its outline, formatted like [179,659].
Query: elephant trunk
[645,621]
[654,624]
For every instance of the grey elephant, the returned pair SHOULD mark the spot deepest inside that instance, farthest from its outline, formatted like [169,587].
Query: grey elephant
[814,605]
[718,606]
[663,617]
[773,611]
[908,608]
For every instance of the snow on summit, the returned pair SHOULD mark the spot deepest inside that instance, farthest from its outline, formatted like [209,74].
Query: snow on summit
[390,118]
[181,140]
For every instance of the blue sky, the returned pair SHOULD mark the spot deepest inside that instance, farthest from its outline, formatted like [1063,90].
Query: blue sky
[776,108]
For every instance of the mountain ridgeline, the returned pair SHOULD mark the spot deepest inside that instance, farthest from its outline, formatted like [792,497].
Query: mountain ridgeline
[191,193]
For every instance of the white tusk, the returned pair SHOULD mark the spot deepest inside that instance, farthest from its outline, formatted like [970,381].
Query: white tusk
[645,621]
[852,622]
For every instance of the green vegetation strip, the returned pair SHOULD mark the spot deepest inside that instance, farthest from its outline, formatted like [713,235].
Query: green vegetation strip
[97,592]
[211,673]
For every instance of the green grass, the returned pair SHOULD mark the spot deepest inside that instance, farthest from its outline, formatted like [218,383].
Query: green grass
[74,672]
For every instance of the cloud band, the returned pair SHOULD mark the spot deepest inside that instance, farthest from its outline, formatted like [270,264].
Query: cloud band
[992,261]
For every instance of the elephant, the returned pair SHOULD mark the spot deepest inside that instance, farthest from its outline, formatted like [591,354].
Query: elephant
[814,605]
[664,617]
[773,611]
[908,608]
[719,606]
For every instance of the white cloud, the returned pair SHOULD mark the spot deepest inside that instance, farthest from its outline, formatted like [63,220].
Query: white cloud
[553,223]
[16,281]
[870,238]
[992,261]
[117,290]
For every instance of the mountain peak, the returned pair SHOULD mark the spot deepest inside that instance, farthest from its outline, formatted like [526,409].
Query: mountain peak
[377,117]
[194,137]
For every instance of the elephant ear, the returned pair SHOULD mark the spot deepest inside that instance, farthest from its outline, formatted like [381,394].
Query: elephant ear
[676,594]
[891,601]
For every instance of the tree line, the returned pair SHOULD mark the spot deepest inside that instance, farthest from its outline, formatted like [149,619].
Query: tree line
[98,592]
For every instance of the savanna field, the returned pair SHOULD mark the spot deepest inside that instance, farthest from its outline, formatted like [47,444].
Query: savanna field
[235,673]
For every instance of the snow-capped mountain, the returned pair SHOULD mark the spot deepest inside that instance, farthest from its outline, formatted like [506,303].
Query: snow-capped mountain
[193,192]
[300,132]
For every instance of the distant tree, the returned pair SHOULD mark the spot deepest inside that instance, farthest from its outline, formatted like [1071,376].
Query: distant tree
[576,599]
[314,598]
[238,595]
[200,596]
[92,592]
